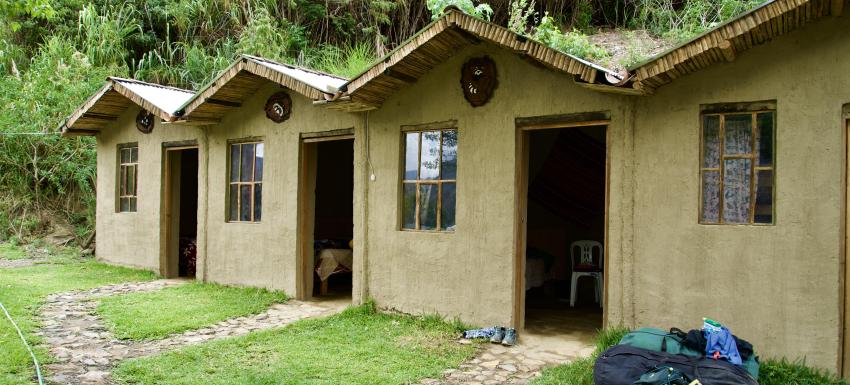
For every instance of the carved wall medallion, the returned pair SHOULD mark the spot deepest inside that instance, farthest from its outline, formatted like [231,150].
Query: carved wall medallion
[478,79]
[278,107]
[145,121]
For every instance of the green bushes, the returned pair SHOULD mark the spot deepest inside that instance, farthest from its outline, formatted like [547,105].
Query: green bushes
[784,372]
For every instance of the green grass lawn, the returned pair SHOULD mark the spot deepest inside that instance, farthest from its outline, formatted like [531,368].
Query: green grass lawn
[12,252]
[23,290]
[358,346]
[157,314]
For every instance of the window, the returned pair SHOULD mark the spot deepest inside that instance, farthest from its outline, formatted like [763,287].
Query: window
[245,193]
[430,180]
[128,175]
[737,167]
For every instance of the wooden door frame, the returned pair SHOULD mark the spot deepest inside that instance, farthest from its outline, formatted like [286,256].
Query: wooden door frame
[166,221]
[844,268]
[307,162]
[524,126]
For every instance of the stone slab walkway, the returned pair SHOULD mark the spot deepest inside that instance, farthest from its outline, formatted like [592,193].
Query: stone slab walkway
[85,351]
[10,263]
[496,364]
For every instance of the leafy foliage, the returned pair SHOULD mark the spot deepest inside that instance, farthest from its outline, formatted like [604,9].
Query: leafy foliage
[481,11]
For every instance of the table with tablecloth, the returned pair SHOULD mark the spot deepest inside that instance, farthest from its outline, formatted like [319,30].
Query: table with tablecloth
[332,261]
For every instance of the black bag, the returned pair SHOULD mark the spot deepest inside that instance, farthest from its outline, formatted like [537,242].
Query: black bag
[623,365]
[663,375]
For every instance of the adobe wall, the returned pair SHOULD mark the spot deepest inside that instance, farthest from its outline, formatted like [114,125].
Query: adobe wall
[470,273]
[135,238]
[265,254]
[778,285]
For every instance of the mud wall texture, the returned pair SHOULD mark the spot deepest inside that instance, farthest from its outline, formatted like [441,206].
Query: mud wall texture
[776,285]
[469,273]
[136,239]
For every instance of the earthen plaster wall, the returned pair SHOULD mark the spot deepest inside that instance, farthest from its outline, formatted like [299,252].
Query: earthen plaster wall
[136,238]
[264,254]
[778,285]
[470,273]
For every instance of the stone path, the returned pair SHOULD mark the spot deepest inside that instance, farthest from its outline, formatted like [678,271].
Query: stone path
[496,364]
[10,263]
[85,351]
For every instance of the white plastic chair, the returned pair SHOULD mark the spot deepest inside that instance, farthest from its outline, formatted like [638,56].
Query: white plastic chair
[586,258]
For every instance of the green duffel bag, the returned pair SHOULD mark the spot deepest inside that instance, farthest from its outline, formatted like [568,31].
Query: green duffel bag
[659,341]
[668,342]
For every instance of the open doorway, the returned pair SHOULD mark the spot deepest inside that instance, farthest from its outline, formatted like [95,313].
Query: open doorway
[181,214]
[327,225]
[563,252]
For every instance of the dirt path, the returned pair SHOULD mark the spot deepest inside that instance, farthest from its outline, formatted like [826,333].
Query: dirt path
[85,351]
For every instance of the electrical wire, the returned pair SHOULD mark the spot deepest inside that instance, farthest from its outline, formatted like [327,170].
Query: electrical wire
[21,334]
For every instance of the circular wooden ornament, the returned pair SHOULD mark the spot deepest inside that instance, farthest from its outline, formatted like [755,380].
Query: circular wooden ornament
[279,107]
[478,79]
[145,122]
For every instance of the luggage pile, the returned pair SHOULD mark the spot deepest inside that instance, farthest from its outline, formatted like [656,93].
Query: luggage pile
[648,356]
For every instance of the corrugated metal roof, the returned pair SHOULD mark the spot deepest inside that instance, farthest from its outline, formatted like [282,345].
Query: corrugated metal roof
[168,99]
[320,81]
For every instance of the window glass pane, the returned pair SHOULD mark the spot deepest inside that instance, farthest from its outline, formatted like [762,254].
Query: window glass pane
[132,204]
[711,141]
[711,197]
[408,209]
[125,155]
[234,202]
[122,181]
[247,173]
[447,209]
[764,139]
[411,155]
[764,197]
[449,165]
[131,180]
[738,134]
[125,204]
[134,154]
[258,202]
[736,190]
[427,207]
[258,164]
[245,203]
[430,164]
[234,163]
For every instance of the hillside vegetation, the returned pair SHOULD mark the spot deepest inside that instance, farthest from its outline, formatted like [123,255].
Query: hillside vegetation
[55,53]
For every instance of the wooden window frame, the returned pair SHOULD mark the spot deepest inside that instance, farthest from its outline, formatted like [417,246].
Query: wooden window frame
[420,129]
[121,185]
[722,111]
[239,183]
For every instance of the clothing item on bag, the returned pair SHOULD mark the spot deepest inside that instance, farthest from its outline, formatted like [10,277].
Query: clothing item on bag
[498,336]
[695,339]
[479,333]
[510,337]
[721,345]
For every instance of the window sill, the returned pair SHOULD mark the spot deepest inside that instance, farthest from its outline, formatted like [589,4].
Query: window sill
[427,231]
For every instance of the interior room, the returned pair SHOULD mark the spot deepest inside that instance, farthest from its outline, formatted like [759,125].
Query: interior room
[565,230]
[184,168]
[334,218]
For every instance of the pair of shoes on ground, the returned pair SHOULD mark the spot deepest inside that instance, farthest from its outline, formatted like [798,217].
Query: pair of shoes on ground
[504,336]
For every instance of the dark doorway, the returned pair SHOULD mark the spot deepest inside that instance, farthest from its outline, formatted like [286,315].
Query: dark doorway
[181,212]
[565,233]
[329,167]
